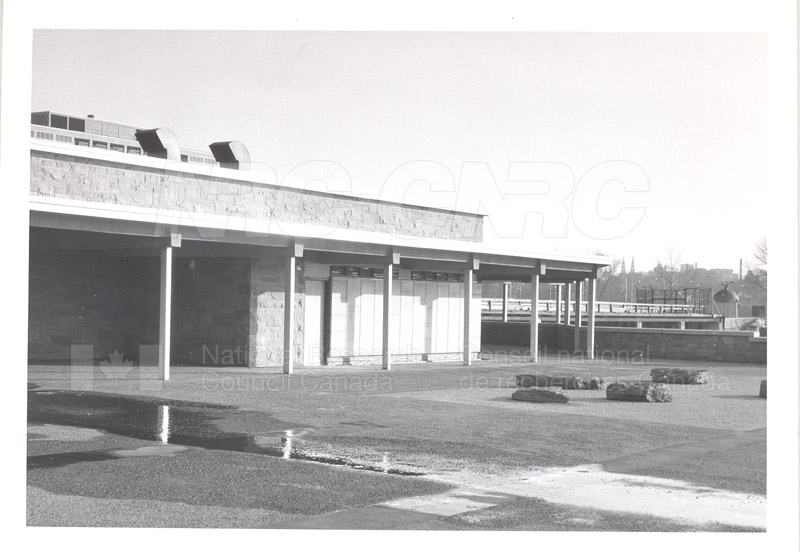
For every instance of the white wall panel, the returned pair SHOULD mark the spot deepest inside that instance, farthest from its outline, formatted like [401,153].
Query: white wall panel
[339,321]
[427,317]
[419,318]
[313,317]
[454,299]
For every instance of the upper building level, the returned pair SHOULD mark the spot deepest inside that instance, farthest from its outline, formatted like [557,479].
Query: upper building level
[95,133]
[138,171]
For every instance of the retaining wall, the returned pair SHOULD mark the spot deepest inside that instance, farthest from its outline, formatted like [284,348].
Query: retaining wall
[729,346]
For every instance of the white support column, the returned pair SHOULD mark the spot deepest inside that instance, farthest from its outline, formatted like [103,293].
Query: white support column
[288,313]
[293,252]
[506,286]
[388,269]
[558,303]
[578,315]
[567,312]
[592,284]
[387,315]
[473,265]
[535,317]
[165,306]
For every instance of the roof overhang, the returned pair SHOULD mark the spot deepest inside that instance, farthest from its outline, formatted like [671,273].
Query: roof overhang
[333,245]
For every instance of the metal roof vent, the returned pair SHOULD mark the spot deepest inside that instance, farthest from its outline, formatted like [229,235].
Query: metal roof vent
[231,155]
[159,142]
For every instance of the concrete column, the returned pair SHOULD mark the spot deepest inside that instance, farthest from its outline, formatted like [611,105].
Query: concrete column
[506,287]
[567,312]
[578,314]
[592,283]
[558,303]
[535,317]
[387,315]
[165,312]
[288,314]
[388,268]
[467,316]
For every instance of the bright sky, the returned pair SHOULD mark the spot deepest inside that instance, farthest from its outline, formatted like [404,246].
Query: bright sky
[465,120]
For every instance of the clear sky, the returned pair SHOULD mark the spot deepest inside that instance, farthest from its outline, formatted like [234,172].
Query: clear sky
[461,120]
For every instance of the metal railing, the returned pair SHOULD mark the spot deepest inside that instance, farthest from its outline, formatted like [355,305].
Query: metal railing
[492,305]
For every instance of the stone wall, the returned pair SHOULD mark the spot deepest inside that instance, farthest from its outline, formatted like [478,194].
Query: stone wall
[72,177]
[728,346]
[78,297]
[210,310]
[266,300]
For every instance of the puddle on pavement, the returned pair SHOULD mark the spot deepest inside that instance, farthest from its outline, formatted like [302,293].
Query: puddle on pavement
[181,425]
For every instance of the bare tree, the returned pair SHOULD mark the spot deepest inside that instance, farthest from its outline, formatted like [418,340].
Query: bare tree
[757,267]
[609,279]
[608,274]
[669,271]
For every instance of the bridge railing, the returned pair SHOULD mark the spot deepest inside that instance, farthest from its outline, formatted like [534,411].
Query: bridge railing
[495,305]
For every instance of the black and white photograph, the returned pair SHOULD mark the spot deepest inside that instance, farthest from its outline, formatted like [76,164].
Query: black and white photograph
[490,276]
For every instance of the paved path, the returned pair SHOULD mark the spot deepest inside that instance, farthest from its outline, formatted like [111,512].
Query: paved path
[437,447]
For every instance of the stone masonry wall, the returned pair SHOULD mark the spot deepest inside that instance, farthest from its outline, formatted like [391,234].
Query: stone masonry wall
[266,312]
[210,311]
[77,298]
[728,346]
[71,177]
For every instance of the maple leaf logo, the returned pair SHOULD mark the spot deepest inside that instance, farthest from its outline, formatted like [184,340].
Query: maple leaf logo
[116,367]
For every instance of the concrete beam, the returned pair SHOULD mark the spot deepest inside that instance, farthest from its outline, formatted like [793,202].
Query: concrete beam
[174,240]
[431,265]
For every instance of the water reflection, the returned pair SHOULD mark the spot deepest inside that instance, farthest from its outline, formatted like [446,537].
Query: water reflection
[163,422]
[183,423]
[286,444]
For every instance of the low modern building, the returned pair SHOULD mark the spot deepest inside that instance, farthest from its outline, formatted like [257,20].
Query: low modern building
[137,242]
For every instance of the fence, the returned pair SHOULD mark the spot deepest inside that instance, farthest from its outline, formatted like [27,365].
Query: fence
[491,305]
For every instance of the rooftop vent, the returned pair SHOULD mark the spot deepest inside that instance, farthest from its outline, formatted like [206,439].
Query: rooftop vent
[159,142]
[231,155]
